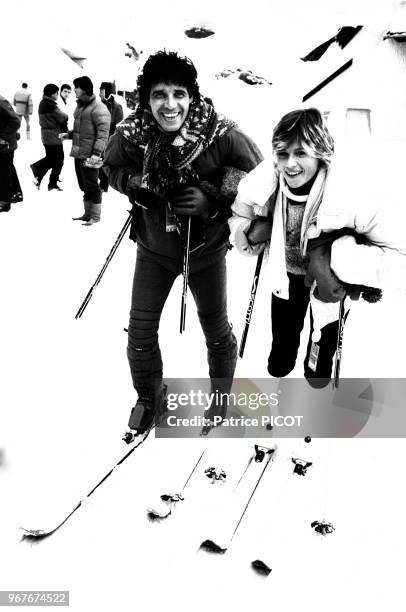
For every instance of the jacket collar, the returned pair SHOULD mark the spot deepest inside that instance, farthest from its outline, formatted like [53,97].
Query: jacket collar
[85,100]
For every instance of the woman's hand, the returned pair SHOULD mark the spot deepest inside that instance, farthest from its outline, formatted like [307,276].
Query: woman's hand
[329,287]
[260,231]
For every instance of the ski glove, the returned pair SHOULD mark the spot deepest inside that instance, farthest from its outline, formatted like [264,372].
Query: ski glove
[143,198]
[322,245]
[329,288]
[260,231]
[190,201]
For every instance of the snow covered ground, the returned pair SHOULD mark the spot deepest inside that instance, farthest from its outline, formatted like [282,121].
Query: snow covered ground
[65,397]
[65,391]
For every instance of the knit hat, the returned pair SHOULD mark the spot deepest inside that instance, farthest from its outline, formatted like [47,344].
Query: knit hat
[109,88]
[84,83]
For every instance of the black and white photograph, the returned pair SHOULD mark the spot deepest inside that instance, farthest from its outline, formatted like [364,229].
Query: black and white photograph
[202,325]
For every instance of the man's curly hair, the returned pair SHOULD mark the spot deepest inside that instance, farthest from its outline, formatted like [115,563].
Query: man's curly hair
[166,67]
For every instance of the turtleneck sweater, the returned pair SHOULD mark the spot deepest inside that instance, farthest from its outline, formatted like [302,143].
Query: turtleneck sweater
[296,202]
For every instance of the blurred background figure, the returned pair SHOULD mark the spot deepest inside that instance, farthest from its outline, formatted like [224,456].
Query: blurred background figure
[89,138]
[107,91]
[53,122]
[23,106]
[65,93]
[9,126]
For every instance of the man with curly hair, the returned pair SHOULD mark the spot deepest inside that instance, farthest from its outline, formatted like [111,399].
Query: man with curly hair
[177,159]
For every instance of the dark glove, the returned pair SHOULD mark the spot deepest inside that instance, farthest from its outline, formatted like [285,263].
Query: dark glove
[260,231]
[369,294]
[190,201]
[329,287]
[144,198]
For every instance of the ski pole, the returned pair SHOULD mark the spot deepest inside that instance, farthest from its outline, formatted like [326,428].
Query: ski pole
[341,321]
[186,256]
[251,304]
[261,453]
[102,271]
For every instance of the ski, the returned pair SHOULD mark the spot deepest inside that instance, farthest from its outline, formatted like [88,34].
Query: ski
[240,500]
[168,501]
[290,489]
[212,474]
[41,533]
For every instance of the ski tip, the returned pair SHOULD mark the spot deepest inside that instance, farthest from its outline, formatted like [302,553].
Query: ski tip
[210,546]
[261,568]
[33,534]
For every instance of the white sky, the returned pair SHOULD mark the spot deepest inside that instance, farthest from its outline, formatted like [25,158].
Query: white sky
[258,34]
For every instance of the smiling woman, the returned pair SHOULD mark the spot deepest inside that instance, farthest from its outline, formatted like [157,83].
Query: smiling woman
[322,246]
[296,164]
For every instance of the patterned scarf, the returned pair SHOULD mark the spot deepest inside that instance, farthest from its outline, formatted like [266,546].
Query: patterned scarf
[168,157]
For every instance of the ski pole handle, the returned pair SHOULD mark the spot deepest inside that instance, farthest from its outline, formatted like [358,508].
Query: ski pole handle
[114,248]
[251,302]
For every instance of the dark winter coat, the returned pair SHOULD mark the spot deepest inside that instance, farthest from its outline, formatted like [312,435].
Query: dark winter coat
[90,128]
[9,126]
[116,112]
[52,121]
[233,150]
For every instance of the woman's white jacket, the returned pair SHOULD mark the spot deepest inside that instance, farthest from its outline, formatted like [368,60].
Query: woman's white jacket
[381,263]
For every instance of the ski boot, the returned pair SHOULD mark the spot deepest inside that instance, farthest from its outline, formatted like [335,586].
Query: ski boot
[145,415]
[216,413]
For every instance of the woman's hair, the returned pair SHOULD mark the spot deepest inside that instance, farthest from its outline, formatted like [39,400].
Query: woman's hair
[166,67]
[50,89]
[307,127]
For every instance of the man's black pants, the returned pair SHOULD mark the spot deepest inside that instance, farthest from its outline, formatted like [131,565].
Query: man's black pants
[53,161]
[6,165]
[88,181]
[153,279]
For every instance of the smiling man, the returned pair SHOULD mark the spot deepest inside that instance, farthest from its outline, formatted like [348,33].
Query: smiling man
[176,158]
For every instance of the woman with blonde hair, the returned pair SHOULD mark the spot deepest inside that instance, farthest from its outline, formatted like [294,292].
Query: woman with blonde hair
[322,240]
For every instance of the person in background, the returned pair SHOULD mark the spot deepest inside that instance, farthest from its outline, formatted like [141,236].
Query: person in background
[107,91]
[89,138]
[64,95]
[178,161]
[23,106]
[52,121]
[65,92]
[9,126]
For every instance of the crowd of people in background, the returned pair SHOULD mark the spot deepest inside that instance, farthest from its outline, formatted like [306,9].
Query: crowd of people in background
[87,122]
